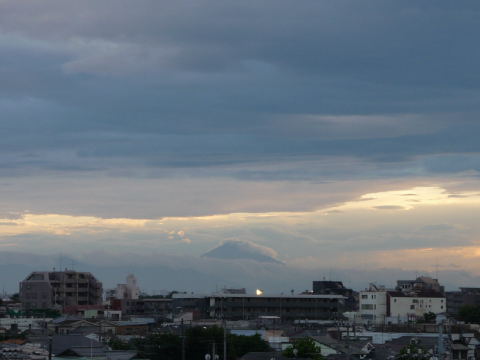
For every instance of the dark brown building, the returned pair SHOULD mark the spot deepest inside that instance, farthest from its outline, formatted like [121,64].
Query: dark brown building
[250,307]
[59,289]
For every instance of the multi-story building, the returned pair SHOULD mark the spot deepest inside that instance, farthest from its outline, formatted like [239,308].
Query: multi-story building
[457,299]
[421,285]
[152,307]
[404,307]
[251,307]
[59,289]
[129,290]
[326,287]
[373,304]
[381,306]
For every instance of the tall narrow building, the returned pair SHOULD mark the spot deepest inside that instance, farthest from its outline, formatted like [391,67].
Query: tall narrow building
[58,289]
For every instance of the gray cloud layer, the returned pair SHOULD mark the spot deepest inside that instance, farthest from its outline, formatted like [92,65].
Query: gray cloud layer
[160,85]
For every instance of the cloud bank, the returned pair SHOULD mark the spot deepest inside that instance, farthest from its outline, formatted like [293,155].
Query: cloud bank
[335,133]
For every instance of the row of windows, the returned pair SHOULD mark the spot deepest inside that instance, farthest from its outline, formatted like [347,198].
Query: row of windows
[268,299]
[415,301]
[372,296]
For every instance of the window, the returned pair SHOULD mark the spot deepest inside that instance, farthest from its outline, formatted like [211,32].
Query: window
[412,307]
[364,296]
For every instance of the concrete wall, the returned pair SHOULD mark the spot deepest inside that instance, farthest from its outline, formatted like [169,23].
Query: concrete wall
[416,306]
[373,306]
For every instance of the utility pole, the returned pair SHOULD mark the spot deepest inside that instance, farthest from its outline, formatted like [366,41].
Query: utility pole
[50,340]
[348,340]
[224,339]
[224,330]
[183,341]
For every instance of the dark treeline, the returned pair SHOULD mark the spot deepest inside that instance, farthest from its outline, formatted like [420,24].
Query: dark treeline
[198,341]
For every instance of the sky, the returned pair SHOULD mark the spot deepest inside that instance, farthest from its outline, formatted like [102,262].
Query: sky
[334,136]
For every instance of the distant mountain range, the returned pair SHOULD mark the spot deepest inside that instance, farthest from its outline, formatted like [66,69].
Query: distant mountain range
[232,264]
[243,250]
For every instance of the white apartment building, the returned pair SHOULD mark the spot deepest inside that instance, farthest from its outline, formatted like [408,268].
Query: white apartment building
[411,307]
[373,305]
[129,291]
[380,306]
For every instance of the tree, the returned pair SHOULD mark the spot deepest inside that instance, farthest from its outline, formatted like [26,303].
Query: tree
[198,342]
[117,344]
[429,317]
[239,345]
[304,348]
[413,351]
[469,313]
[159,347]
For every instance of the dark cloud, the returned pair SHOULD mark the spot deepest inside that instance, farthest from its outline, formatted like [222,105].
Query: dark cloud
[113,85]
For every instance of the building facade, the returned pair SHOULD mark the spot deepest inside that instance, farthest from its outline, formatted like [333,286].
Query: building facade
[457,299]
[327,287]
[252,307]
[59,289]
[407,308]
[422,285]
[373,305]
[129,290]
[381,306]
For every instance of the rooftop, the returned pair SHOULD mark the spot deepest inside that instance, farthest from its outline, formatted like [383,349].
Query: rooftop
[283,296]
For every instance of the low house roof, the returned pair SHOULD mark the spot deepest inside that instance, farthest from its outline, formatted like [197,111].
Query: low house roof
[131,323]
[265,356]
[63,319]
[63,343]
[353,346]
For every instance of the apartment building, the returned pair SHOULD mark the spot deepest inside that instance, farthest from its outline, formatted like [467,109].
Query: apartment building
[373,304]
[59,289]
[421,285]
[129,290]
[381,306]
[405,307]
[457,299]
[251,307]
[327,287]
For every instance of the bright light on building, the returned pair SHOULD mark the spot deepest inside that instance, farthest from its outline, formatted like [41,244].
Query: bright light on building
[259,292]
